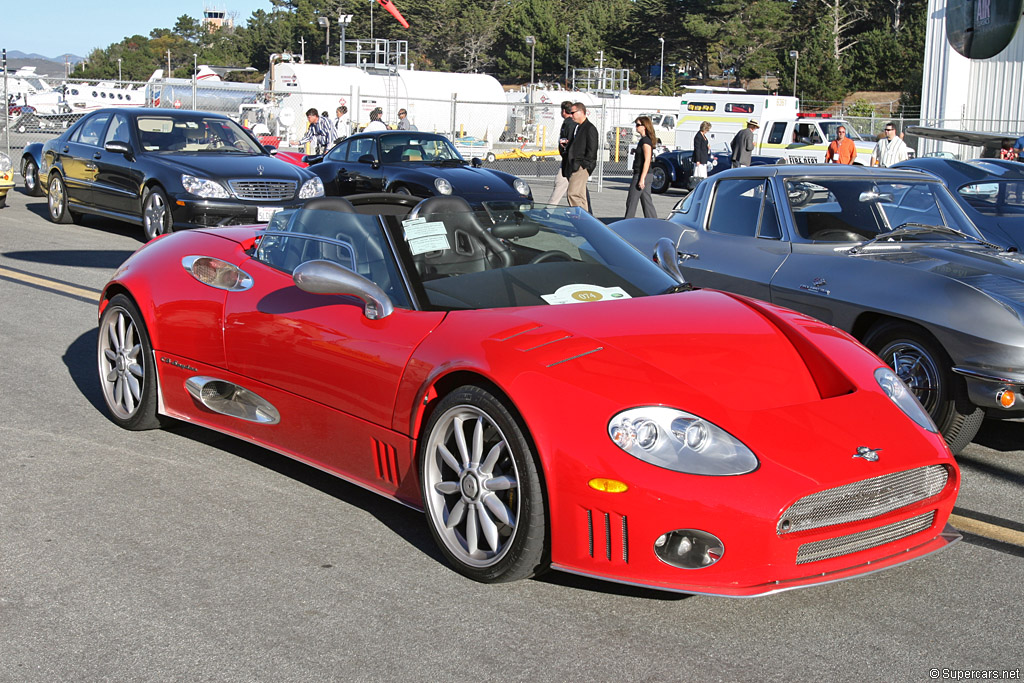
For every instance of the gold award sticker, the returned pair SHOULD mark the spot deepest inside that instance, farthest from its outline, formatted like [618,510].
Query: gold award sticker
[581,293]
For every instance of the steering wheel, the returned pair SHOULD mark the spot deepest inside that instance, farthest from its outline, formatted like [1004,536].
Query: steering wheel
[551,255]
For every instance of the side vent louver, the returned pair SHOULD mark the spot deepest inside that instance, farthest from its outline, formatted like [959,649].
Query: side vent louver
[386,462]
[607,536]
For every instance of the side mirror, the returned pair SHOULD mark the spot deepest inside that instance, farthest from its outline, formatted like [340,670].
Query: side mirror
[666,256]
[476,162]
[270,149]
[311,159]
[369,159]
[327,277]
[119,147]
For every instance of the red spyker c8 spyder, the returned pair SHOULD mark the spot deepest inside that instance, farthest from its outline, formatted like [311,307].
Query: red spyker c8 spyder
[548,396]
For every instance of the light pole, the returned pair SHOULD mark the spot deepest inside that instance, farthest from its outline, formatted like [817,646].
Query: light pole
[532,42]
[324,22]
[119,71]
[661,69]
[567,61]
[795,54]
[195,75]
[344,20]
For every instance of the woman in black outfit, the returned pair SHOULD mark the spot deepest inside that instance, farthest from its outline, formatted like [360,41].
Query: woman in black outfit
[640,185]
[701,151]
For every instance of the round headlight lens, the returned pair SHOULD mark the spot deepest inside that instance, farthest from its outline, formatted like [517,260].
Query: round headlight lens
[680,441]
[900,394]
[5,163]
[521,186]
[442,186]
[203,187]
[314,187]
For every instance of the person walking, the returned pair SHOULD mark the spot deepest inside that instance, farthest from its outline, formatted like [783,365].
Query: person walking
[341,128]
[841,150]
[320,130]
[568,126]
[640,185]
[890,149]
[375,121]
[701,151]
[403,121]
[581,156]
[743,144]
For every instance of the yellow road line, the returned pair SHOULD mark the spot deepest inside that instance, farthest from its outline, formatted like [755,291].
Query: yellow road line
[50,284]
[991,531]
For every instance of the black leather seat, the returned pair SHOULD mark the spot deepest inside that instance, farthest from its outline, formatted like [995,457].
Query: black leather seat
[471,247]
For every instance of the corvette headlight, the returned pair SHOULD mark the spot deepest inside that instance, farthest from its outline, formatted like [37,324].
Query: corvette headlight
[314,187]
[521,186]
[442,186]
[903,397]
[5,163]
[203,187]
[680,441]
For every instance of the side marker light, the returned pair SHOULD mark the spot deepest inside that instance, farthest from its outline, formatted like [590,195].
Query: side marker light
[607,485]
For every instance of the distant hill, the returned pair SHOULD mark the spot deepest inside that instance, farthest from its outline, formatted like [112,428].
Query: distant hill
[44,67]
[16,54]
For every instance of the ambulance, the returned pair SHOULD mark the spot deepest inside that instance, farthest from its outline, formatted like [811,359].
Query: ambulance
[794,137]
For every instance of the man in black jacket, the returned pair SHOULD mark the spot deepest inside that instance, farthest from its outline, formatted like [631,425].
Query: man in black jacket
[581,156]
[568,126]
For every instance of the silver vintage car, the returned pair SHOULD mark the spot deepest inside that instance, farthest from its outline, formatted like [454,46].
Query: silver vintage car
[886,255]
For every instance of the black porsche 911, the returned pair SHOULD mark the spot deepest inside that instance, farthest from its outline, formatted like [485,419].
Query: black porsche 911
[164,170]
[414,163]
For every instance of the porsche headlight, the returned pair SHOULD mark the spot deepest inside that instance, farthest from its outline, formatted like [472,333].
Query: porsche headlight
[521,186]
[903,397]
[203,187]
[680,441]
[442,186]
[314,187]
[5,163]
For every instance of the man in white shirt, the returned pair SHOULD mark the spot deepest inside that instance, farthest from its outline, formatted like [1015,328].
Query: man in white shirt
[889,149]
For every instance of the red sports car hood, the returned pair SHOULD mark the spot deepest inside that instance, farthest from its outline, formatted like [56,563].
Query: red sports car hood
[699,343]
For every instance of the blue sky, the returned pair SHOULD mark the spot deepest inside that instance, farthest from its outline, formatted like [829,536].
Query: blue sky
[56,27]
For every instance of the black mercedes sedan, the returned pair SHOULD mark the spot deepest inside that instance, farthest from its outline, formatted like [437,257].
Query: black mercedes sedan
[166,170]
[413,163]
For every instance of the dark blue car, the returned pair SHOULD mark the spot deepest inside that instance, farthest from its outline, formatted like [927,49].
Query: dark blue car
[675,168]
[990,191]
[413,163]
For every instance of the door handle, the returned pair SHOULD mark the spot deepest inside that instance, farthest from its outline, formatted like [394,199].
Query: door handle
[97,156]
[90,167]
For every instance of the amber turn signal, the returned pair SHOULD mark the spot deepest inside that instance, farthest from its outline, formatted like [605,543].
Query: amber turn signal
[607,485]
[1006,398]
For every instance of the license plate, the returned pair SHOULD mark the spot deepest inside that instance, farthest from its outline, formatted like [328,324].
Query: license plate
[265,213]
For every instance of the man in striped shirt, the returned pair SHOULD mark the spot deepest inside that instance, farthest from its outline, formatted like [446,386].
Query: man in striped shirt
[320,129]
[889,149]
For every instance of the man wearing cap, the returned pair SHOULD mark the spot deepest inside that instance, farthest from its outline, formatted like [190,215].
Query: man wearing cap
[743,144]
[841,150]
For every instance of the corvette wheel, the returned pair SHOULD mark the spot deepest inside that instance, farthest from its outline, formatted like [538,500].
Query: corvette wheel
[401,189]
[661,182]
[924,367]
[30,172]
[57,201]
[156,214]
[126,371]
[481,489]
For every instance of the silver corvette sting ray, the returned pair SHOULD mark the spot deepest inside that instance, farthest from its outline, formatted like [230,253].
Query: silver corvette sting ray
[885,255]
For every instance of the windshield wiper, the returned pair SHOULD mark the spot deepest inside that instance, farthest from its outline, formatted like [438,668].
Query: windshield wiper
[913,228]
[447,162]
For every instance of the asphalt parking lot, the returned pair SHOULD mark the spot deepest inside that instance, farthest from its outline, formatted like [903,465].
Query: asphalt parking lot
[181,554]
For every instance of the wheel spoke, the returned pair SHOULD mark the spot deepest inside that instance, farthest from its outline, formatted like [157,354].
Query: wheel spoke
[472,535]
[502,483]
[112,333]
[488,527]
[110,355]
[492,458]
[448,458]
[478,442]
[119,391]
[136,370]
[456,514]
[446,488]
[460,439]
[499,509]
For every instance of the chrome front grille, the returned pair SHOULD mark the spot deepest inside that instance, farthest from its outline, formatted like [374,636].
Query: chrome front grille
[263,190]
[863,499]
[872,538]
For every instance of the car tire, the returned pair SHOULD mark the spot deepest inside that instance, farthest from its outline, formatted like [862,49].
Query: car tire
[489,157]
[3,200]
[660,181]
[401,189]
[30,173]
[925,367]
[156,214]
[57,201]
[484,501]
[126,366]
[534,157]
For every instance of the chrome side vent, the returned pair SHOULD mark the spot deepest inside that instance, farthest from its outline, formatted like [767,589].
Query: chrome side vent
[232,400]
[386,460]
[607,536]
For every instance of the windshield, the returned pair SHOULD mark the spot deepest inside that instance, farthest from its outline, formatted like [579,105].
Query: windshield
[194,134]
[416,147]
[1001,198]
[522,254]
[857,209]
